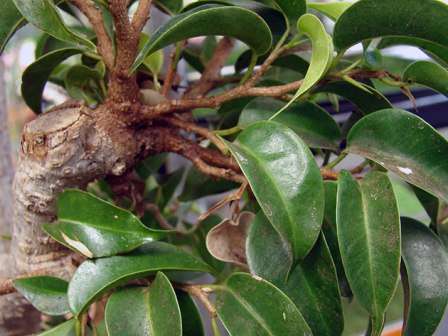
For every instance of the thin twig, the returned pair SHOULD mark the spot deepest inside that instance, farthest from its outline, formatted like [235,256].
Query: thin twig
[93,13]
[201,295]
[171,71]
[192,127]
[141,15]
[155,211]
[213,69]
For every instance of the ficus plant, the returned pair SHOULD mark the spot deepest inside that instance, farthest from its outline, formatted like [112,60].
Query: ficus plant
[110,239]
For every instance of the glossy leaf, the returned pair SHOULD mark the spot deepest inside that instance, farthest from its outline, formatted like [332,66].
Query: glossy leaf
[322,55]
[331,9]
[64,329]
[44,15]
[429,202]
[46,294]
[82,83]
[312,284]
[312,123]
[405,144]
[293,9]
[366,101]
[198,185]
[96,228]
[191,318]
[154,312]
[366,19]
[428,74]
[94,277]
[11,20]
[37,74]
[329,229]
[285,180]
[211,20]
[368,228]
[252,306]
[435,50]
[169,6]
[426,262]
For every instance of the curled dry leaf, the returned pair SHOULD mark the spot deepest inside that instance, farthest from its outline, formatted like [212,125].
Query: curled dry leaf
[227,240]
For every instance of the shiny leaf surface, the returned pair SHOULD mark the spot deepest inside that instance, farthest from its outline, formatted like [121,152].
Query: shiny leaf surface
[311,285]
[368,228]
[37,74]
[94,277]
[367,101]
[293,9]
[428,74]
[312,123]
[44,15]
[426,263]
[64,329]
[249,306]
[155,311]
[211,20]
[286,181]
[96,228]
[405,144]
[331,9]
[46,294]
[366,19]
[191,318]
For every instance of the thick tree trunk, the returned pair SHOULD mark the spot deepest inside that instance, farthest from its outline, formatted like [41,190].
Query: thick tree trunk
[14,310]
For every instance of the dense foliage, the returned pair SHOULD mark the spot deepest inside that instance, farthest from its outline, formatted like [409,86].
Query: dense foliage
[302,236]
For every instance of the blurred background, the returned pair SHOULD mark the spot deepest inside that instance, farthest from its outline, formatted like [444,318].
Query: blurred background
[428,104]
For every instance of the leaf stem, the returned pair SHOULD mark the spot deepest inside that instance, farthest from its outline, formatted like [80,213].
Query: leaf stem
[336,161]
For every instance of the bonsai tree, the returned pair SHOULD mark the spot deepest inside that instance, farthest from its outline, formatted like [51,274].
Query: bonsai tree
[111,238]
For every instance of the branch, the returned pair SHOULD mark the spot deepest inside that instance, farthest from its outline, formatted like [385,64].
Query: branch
[155,211]
[142,15]
[266,65]
[202,295]
[209,161]
[151,112]
[212,69]
[171,72]
[93,13]
[192,127]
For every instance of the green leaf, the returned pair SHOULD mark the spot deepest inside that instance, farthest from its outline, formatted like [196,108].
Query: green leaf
[426,262]
[37,74]
[405,144]
[368,227]
[169,6]
[191,318]
[44,15]
[198,185]
[329,229]
[94,277]
[286,182]
[321,58]
[322,55]
[64,329]
[312,123]
[435,50]
[292,62]
[46,294]
[367,101]
[331,9]
[211,20]
[249,306]
[312,284]
[96,228]
[366,19]
[428,74]
[11,20]
[82,83]
[293,9]
[154,312]
[429,202]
